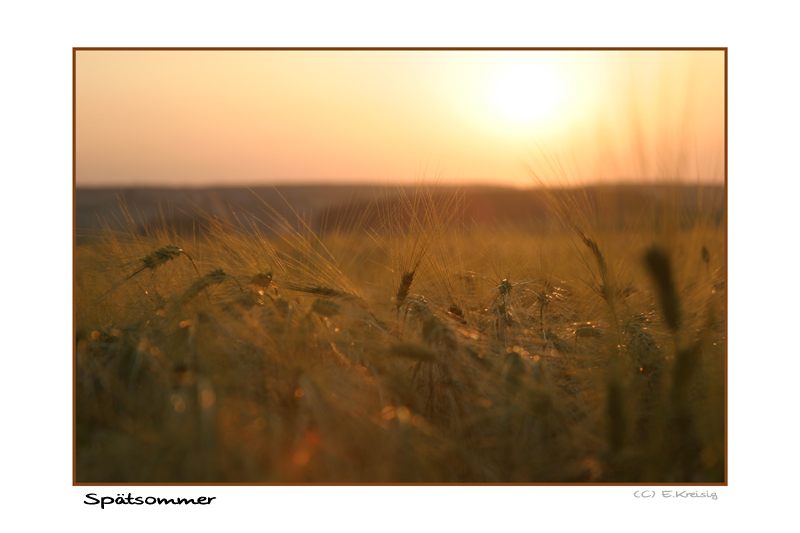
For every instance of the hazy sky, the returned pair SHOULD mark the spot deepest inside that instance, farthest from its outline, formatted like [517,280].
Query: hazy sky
[249,117]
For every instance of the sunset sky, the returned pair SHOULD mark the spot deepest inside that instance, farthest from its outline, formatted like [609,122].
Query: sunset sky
[196,118]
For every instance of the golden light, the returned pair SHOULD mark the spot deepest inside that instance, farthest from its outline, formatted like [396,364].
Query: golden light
[247,117]
[526,94]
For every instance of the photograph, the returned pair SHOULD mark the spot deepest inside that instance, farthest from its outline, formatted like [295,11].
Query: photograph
[400,266]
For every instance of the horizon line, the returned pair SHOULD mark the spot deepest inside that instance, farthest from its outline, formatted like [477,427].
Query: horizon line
[405,184]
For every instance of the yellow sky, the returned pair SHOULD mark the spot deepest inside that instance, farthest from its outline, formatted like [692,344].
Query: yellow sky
[252,117]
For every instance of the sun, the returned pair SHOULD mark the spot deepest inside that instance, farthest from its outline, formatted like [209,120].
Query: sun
[526,94]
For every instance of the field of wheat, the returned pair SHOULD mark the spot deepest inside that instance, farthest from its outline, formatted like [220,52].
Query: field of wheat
[419,349]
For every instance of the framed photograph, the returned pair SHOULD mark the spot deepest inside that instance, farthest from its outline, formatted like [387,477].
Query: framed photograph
[391,266]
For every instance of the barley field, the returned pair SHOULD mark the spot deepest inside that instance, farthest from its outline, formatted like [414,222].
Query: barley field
[403,342]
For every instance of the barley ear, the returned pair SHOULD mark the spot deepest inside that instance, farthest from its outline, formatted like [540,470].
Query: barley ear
[405,285]
[660,269]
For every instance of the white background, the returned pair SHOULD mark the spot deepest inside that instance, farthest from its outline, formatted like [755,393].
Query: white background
[35,156]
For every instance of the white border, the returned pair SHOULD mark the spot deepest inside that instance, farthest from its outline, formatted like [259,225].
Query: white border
[36,156]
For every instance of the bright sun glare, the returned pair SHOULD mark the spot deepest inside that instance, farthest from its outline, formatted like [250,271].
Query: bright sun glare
[526,94]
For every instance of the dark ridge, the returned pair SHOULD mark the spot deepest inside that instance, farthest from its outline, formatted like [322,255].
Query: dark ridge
[342,207]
